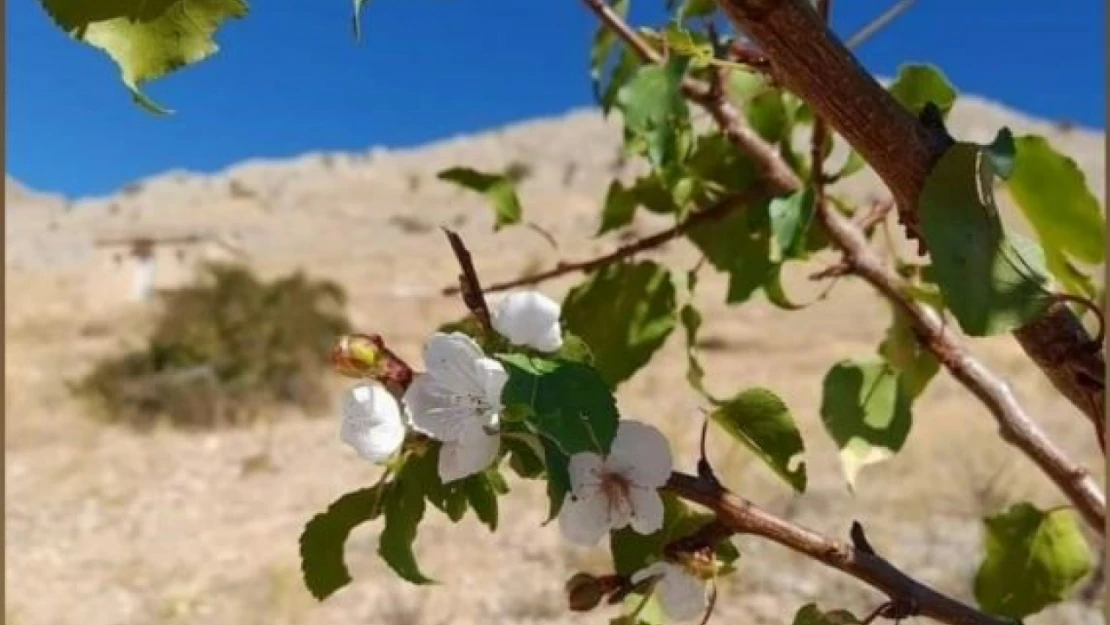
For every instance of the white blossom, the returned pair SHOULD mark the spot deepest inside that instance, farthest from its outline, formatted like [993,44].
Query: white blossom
[620,489]
[529,318]
[681,595]
[458,401]
[372,422]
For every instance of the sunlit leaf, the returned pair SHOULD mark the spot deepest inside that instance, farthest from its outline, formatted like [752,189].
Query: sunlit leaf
[991,282]
[624,312]
[568,405]
[791,217]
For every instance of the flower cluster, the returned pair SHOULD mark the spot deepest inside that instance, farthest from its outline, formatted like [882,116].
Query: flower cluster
[457,401]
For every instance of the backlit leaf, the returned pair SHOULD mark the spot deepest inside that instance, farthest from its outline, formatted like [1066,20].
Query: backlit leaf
[1053,194]
[619,209]
[147,40]
[866,411]
[761,421]
[915,364]
[917,85]
[655,109]
[1034,559]
[791,217]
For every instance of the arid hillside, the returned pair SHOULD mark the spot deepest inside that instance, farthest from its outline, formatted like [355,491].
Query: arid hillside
[106,526]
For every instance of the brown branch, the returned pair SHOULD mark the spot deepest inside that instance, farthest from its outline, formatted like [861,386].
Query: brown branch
[812,63]
[713,211]
[741,516]
[1015,425]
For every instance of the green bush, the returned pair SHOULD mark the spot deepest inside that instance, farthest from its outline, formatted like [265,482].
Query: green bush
[224,348]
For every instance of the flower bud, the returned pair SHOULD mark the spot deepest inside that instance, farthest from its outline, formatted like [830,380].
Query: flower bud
[366,356]
[584,592]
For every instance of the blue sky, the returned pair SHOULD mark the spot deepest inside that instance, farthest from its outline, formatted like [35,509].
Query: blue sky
[290,78]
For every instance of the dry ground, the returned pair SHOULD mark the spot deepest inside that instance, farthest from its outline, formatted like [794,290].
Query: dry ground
[109,527]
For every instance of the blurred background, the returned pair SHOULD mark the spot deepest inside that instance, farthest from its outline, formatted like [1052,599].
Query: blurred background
[170,423]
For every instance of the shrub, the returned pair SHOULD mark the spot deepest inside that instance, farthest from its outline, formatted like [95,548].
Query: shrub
[223,348]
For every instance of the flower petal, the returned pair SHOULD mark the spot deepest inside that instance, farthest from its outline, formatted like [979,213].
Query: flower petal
[372,422]
[642,454]
[652,570]
[433,410]
[528,318]
[647,510]
[681,595]
[450,359]
[584,518]
[471,453]
[585,472]
[493,378]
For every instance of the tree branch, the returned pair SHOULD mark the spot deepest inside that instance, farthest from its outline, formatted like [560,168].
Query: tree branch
[811,62]
[741,516]
[714,211]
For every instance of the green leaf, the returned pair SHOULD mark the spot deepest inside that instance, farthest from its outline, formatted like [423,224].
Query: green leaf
[574,348]
[740,245]
[404,509]
[915,364]
[1052,193]
[570,407]
[810,614]
[655,109]
[767,114]
[866,411]
[602,47]
[498,189]
[147,40]
[624,312]
[762,422]
[775,292]
[992,283]
[1034,559]
[525,454]
[791,217]
[448,498]
[686,43]
[620,208]
[481,494]
[625,69]
[697,8]
[691,323]
[324,537]
[715,160]
[917,85]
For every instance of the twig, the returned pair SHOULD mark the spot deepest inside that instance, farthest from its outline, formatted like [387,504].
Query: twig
[882,21]
[714,211]
[741,516]
[469,285]
[812,63]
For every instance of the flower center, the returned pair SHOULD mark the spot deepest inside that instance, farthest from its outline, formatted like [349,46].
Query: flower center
[477,405]
[615,487]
